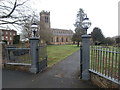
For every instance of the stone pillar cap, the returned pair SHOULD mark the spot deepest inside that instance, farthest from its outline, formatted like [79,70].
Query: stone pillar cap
[86,36]
[34,38]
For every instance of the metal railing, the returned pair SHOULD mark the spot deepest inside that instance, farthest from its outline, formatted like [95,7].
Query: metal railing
[42,57]
[42,52]
[105,61]
[18,56]
[81,62]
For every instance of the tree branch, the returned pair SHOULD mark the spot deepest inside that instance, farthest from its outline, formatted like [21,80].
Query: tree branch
[12,22]
[15,4]
[13,9]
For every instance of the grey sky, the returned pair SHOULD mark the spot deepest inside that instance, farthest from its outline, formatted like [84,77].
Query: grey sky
[102,13]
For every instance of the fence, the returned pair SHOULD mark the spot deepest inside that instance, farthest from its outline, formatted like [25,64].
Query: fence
[42,57]
[23,57]
[105,61]
[18,56]
[81,63]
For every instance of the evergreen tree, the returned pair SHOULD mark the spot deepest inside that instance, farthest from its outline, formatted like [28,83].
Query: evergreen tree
[79,30]
[97,36]
[16,39]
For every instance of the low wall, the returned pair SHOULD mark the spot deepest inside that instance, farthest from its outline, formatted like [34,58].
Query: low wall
[102,82]
[18,67]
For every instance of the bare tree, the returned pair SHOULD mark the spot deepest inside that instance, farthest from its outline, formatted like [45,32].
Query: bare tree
[26,31]
[13,12]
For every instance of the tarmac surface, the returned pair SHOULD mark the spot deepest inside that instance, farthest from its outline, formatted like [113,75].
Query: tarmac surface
[64,74]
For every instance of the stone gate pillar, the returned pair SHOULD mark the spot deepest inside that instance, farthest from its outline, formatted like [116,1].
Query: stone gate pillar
[2,54]
[34,54]
[2,60]
[85,56]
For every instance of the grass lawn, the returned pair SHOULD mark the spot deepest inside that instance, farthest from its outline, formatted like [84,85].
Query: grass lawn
[57,53]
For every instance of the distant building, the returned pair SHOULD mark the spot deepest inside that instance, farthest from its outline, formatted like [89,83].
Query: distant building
[7,35]
[59,36]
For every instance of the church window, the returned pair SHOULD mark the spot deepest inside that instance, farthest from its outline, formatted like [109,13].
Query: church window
[57,39]
[62,39]
[66,40]
[52,39]
[46,19]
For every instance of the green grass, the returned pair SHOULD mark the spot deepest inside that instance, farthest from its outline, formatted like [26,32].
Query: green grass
[57,53]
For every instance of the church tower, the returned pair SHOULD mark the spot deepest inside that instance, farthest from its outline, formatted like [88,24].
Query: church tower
[45,19]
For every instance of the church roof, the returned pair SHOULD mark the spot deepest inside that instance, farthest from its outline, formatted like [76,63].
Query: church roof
[56,29]
[61,31]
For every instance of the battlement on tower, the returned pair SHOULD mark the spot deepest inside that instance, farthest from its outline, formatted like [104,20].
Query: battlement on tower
[44,12]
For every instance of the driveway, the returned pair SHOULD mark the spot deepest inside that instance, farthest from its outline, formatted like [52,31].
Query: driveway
[64,74]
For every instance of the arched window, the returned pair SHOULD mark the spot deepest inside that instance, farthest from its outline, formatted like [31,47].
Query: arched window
[57,39]
[62,39]
[46,19]
[66,40]
[52,39]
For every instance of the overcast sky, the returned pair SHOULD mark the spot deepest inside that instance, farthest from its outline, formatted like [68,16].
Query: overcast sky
[102,13]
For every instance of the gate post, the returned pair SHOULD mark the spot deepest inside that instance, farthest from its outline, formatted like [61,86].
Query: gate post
[85,56]
[34,53]
[2,54]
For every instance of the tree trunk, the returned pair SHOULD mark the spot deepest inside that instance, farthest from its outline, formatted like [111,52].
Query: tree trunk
[78,44]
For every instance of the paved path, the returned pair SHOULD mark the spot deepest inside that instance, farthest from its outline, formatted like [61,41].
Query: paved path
[64,74]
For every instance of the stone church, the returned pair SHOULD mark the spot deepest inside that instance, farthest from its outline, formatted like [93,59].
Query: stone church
[59,36]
